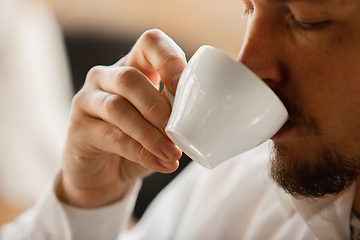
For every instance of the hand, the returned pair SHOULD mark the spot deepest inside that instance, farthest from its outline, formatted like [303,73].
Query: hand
[116,132]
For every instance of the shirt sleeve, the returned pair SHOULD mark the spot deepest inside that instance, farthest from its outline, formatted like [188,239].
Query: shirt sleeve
[50,219]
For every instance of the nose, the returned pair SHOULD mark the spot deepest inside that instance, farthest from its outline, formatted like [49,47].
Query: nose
[260,50]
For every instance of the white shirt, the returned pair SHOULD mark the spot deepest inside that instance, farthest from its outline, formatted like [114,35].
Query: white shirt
[35,95]
[236,200]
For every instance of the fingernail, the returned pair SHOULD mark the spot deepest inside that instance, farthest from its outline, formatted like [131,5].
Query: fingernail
[165,124]
[166,165]
[169,149]
[175,80]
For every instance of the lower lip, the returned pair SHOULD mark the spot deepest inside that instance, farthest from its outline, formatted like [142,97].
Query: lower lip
[285,130]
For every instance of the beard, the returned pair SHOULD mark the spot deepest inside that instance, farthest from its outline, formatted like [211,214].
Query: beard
[327,173]
[312,168]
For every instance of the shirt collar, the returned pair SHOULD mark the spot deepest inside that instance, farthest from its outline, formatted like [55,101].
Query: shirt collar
[328,218]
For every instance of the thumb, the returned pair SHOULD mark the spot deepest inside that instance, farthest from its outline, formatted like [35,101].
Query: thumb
[172,83]
[170,96]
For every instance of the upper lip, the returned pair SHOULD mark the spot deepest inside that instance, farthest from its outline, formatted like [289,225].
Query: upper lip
[283,129]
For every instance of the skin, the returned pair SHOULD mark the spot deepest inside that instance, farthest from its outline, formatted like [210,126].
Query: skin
[116,132]
[313,68]
[307,51]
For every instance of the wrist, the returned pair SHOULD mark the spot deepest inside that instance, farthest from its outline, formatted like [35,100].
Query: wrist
[68,193]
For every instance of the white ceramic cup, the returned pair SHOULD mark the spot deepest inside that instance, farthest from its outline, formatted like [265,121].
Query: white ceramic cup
[221,109]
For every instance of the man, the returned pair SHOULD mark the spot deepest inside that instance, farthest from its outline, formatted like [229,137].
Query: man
[307,52]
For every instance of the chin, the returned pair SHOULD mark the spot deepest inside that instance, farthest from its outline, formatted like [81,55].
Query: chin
[308,168]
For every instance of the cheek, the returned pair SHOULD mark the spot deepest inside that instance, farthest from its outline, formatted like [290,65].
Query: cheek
[327,87]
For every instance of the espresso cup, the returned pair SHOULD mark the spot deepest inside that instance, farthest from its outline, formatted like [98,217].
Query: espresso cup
[221,109]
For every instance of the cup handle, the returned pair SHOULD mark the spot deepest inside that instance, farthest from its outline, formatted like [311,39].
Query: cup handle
[170,96]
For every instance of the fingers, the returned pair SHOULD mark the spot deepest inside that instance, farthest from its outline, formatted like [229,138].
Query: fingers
[119,117]
[155,54]
[125,112]
[125,98]
[132,85]
[109,138]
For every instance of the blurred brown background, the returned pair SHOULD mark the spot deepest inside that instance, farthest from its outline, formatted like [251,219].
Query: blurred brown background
[190,23]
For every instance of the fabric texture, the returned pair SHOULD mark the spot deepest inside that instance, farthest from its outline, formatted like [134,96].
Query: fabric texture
[236,200]
[354,227]
[35,95]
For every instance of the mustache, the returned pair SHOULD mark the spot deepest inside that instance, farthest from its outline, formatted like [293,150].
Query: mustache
[305,123]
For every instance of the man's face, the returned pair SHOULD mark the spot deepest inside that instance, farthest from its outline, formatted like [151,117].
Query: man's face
[308,52]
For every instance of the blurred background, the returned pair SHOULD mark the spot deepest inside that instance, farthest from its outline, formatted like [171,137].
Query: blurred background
[63,39]
[104,30]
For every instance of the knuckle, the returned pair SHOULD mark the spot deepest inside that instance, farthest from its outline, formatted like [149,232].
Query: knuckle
[126,77]
[112,103]
[142,153]
[94,73]
[139,153]
[158,108]
[152,35]
[148,133]
[76,100]
[114,136]
[76,122]
[80,97]
[173,59]
[172,64]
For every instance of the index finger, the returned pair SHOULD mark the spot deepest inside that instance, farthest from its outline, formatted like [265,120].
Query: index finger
[157,55]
